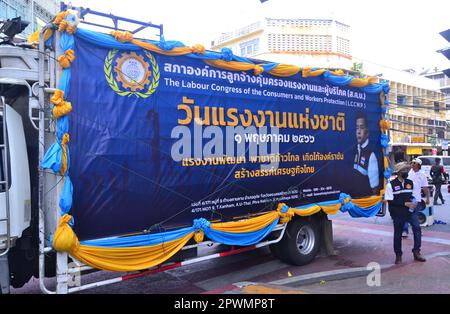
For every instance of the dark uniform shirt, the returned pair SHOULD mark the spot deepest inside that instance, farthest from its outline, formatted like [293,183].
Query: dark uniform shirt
[362,175]
[401,194]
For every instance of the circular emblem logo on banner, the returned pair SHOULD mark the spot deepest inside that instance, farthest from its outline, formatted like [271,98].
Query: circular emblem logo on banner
[138,74]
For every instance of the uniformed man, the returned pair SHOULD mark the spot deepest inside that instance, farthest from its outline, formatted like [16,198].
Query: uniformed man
[365,163]
[399,195]
[420,182]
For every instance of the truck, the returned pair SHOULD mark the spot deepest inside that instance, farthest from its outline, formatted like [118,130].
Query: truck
[113,144]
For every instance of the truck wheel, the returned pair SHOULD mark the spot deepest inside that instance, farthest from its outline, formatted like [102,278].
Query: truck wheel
[301,241]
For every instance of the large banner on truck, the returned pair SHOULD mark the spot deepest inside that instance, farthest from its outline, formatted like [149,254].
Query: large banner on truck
[157,141]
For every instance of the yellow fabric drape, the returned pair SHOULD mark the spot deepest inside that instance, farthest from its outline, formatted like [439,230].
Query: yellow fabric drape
[386,162]
[57,98]
[63,25]
[231,65]
[307,212]
[122,36]
[66,59]
[114,259]
[331,209]
[177,51]
[35,36]
[64,164]
[357,82]
[60,17]
[64,239]
[199,236]
[369,201]
[285,217]
[199,49]
[61,107]
[382,100]
[338,73]
[247,225]
[308,72]
[384,125]
[130,258]
[285,70]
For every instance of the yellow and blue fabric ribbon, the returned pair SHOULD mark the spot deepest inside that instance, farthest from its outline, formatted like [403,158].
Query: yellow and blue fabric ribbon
[143,251]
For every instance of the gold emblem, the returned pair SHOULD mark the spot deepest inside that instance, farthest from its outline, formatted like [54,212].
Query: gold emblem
[408,186]
[132,71]
[137,73]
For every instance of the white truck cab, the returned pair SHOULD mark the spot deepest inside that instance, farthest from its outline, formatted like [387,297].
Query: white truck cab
[15,191]
[18,177]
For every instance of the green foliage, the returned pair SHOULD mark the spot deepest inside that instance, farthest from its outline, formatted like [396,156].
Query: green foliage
[358,67]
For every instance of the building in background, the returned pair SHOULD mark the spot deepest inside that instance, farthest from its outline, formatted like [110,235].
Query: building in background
[418,109]
[417,112]
[34,11]
[446,51]
[324,43]
[444,83]
[418,118]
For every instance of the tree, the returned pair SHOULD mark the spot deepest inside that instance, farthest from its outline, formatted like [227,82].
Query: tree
[358,68]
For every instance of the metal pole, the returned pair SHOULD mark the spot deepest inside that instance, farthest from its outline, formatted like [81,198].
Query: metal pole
[41,144]
[32,17]
[62,276]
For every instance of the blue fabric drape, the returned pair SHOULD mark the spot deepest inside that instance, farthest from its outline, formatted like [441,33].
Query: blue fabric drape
[53,157]
[65,202]
[140,240]
[241,239]
[358,212]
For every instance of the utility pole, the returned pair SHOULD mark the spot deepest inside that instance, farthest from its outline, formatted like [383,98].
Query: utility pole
[32,17]
[446,53]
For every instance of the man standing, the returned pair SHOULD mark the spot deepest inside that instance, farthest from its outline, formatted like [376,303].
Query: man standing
[365,162]
[399,194]
[437,177]
[420,183]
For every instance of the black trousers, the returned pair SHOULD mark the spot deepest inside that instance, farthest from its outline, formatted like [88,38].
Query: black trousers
[399,222]
[438,193]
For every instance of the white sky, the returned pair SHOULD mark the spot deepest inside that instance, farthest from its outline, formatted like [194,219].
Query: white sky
[396,33]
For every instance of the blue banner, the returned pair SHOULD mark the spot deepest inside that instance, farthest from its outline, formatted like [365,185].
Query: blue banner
[157,141]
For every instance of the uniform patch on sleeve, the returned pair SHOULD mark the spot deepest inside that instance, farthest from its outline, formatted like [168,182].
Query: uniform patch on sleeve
[396,188]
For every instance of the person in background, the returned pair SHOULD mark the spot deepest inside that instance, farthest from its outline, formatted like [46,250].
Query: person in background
[420,182]
[399,195]
[437,174]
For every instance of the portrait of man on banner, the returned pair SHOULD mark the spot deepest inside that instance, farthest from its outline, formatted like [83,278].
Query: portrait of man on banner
[365,163]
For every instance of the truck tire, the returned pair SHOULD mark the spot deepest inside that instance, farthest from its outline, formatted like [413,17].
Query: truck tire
[301,241]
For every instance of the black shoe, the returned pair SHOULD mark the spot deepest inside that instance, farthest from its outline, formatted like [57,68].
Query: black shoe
[398,259]
[418,257]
